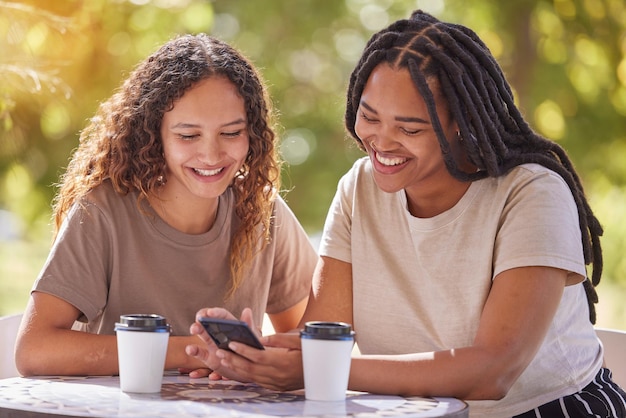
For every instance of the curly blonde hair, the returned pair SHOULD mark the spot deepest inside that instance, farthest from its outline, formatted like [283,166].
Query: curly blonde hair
[122,142]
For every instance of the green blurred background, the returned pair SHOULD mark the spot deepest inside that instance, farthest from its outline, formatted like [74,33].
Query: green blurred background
[566,60]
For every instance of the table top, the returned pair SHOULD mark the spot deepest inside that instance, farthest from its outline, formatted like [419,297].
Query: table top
[182,397]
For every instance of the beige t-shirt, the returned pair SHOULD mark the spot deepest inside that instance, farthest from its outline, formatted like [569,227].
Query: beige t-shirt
[111,259]
[420,284]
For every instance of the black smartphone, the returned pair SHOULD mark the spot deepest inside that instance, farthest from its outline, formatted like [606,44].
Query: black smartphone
[223,331]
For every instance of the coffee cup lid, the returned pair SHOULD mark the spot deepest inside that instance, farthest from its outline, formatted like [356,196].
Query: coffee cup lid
[142,322]
[327,330]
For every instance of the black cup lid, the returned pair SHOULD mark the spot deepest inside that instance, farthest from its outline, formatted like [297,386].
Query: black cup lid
[142,322]
[327,330]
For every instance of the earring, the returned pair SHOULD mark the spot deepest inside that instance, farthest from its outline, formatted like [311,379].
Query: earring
[458,135]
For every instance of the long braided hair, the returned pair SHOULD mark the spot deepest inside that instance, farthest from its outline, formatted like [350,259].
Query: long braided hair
[496,136]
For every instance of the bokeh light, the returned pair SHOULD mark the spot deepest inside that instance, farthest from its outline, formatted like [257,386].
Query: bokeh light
[297,145]
[549,120]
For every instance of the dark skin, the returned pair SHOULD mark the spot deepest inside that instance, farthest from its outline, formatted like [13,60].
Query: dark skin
[396,130]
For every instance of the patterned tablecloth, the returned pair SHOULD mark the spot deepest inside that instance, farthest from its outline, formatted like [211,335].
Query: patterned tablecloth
[182,397]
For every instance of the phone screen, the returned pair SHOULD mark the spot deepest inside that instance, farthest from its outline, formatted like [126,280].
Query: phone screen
[223,331]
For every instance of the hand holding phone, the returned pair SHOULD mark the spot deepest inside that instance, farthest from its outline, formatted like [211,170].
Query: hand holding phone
[223,331]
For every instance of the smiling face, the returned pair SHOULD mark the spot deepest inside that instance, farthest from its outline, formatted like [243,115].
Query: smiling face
[205,140]
[394,126]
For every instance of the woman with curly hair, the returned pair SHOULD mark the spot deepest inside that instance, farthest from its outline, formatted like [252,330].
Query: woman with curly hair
[170,203]
[457,247]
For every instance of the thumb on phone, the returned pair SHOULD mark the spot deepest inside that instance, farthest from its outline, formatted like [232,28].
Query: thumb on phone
[246,316]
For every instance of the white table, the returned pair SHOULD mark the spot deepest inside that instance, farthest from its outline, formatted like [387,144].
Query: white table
[182,397]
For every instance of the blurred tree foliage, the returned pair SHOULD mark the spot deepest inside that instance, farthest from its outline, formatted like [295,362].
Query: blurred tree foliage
[566,60]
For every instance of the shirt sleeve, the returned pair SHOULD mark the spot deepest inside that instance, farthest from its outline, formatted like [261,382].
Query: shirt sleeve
[539,226]
[77,266]
[336,239]
[294,261]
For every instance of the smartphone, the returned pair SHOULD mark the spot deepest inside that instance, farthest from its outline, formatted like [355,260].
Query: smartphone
[223,331]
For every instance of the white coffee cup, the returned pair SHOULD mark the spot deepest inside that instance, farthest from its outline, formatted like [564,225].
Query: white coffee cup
[326,356]
[141,348]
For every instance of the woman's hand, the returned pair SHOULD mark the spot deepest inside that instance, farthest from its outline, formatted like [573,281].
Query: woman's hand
[206,352]
[278,367]
[195,373]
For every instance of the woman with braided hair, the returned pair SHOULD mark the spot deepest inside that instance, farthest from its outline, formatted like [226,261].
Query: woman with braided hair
[170,203]
[457,248]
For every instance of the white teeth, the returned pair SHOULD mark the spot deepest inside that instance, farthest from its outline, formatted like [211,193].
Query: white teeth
[208,173]
[390,161]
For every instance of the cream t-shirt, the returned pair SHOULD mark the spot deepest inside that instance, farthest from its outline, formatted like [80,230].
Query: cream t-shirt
[420,284]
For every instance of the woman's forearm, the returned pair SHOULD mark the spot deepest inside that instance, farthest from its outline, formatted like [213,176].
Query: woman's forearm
[466,373]
[75,353]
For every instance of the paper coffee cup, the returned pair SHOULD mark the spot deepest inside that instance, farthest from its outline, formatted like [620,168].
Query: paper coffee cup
[326,356]
[141,348]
